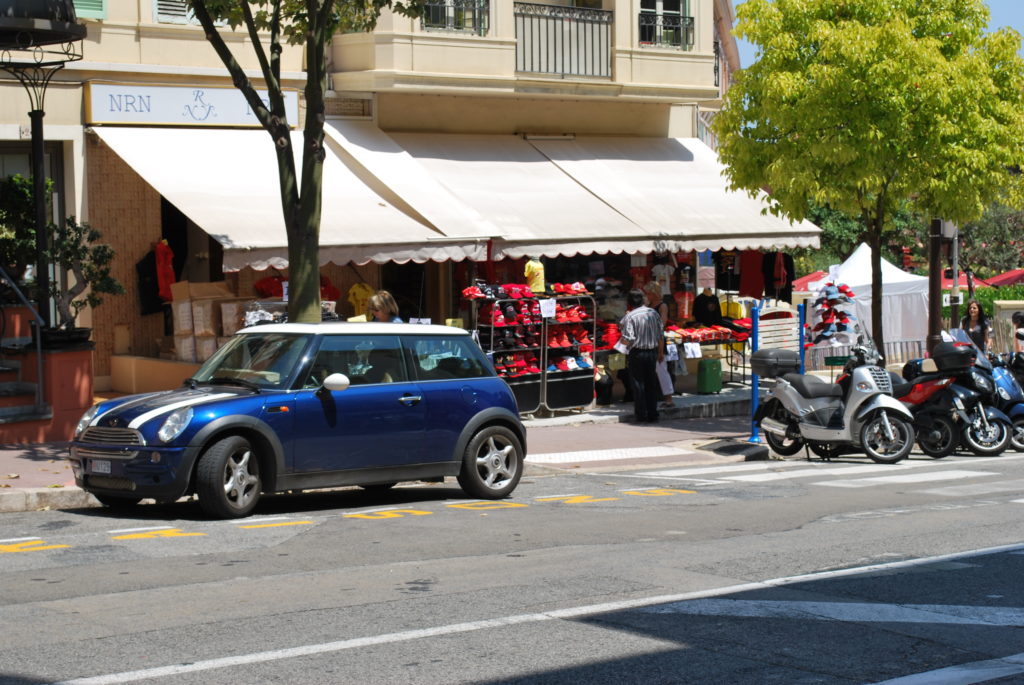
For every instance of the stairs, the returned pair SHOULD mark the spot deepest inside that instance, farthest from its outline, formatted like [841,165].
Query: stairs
[19,382]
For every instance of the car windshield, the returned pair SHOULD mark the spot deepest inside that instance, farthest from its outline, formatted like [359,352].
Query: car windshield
[267,360]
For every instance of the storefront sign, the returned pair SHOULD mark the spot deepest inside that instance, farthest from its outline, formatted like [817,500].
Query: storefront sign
[123,103]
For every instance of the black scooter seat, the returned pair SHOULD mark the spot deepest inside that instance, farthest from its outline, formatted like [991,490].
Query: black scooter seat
[813,387]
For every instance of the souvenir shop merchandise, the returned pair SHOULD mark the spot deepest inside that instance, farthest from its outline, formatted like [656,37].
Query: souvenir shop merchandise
[546,360]
[832,311]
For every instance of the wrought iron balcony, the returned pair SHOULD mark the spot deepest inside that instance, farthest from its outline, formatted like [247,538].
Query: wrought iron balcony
[666,30]
[462,16]
[565,41]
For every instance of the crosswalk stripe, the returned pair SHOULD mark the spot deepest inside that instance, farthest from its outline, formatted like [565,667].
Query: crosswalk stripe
[978,489]
[812,472]
[905,479]
[607,455]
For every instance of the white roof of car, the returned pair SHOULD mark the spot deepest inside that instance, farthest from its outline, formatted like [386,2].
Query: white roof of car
[345,328]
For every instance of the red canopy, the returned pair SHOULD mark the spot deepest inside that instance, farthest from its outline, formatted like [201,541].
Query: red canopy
[947,283]
[804,282]
[1011,277]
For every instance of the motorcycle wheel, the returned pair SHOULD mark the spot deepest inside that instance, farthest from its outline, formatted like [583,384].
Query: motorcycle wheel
[941,439]
[826,450]
[986,443]
[1017,439]
[785,447]
[881,449]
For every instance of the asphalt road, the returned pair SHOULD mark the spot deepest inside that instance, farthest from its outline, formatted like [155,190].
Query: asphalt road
[757,572]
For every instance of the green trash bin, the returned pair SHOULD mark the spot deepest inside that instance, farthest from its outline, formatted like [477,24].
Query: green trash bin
[709,376]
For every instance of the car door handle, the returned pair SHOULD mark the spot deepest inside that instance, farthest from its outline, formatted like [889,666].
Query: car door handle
[410,400]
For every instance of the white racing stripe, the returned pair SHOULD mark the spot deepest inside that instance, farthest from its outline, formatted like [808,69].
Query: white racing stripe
[569,613]
[167,409]
[129,403]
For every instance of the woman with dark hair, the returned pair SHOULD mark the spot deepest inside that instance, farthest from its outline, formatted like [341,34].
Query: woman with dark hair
[1018,331]
[976,324]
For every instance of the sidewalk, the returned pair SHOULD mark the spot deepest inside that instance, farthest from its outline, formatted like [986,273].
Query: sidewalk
[38,476]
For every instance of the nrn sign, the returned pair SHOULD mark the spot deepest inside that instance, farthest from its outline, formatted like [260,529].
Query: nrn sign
[122,103]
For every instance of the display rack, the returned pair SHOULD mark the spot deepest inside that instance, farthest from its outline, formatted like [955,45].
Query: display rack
[533,353]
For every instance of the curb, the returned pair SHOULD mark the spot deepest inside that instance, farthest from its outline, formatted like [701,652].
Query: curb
[37,499]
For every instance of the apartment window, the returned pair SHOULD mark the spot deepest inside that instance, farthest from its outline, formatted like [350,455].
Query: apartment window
[666,23]
[464,16]
[173,12]
[91,9]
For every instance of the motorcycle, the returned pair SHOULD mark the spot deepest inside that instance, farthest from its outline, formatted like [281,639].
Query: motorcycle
[857,411]
[1009,396]
[930,397]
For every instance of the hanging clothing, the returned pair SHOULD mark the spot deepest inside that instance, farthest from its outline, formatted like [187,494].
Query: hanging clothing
[751,275]
[778,271]
[534,273]
[164,269]
[150,301]
[727,270]
[358,295]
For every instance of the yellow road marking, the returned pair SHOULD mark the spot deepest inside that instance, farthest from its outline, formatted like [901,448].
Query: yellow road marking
[275,525]
[388,514]
[28,546]
[165,533]
[487,505]
[577,499]
[659,492]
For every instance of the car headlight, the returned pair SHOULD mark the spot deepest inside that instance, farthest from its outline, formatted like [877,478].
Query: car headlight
[175,423]
[86,419]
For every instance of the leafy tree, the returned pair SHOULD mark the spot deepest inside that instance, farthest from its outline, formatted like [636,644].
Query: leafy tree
[18,224]
[868,106]
[76,248]
[994,243]
[270,24]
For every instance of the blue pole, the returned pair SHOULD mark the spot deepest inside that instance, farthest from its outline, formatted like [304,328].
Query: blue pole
[802,315]
[755,317]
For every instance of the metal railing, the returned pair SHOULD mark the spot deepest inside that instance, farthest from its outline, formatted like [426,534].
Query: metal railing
[566,41]
[461,16]
[665,30]
[896,352]
[8,282]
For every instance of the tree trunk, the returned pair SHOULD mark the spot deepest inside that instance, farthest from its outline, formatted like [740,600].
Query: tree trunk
[875,239]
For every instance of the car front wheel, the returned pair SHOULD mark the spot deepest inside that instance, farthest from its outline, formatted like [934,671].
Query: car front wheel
[492,464]
[228,478]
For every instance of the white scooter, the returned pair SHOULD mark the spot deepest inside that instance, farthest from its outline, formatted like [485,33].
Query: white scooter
[857,411]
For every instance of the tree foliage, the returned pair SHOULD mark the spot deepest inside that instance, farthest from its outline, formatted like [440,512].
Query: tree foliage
[270,24]
[75,247]
[872,106]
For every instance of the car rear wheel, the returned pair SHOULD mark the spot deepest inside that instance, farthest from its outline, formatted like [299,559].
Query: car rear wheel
[492,464]
[228,478]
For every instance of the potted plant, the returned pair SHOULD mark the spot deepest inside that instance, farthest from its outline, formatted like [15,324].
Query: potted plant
[75,247]
[17,226]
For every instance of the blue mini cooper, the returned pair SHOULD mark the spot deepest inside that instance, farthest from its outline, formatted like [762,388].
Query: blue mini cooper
[300,406]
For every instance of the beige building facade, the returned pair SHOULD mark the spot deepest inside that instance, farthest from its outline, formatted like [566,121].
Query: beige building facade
[627,69]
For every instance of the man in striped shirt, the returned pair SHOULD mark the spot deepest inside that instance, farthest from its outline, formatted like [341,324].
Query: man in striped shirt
[641,331]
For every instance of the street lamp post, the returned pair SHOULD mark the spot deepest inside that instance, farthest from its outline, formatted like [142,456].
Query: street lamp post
[37,38]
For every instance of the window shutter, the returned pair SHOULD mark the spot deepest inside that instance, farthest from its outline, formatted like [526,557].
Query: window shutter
[91,9]
[173,11]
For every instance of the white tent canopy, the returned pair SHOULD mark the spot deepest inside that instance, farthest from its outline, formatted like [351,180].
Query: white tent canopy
[904,295]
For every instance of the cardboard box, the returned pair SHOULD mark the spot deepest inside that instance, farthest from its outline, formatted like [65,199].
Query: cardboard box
[232,315]
[181,311]
[206,317]
[206,345]
[186,290]
[185,348]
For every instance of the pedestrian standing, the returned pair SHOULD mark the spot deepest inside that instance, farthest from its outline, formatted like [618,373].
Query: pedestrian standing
[641,332]
[976,324]
[382,307]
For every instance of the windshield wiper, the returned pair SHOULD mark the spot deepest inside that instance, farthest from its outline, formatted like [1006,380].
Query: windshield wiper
[230,380]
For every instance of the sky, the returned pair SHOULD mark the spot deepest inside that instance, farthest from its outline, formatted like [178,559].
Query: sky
[1004,13]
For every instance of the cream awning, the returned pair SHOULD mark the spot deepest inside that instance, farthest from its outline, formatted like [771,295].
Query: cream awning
[674,188]
[226,182]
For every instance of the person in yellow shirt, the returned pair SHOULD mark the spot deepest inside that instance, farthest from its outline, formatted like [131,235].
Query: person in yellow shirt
[534,272]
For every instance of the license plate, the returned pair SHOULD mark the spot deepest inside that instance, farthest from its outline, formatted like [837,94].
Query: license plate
[99,465]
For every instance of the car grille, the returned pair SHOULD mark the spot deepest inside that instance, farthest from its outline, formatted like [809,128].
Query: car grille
[108,437]
[109,483]
[881,378]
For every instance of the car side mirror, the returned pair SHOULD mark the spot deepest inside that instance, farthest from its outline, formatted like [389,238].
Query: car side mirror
[336,382]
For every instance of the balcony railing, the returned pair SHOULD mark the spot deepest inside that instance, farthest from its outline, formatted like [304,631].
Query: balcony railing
[461,16]
[566,41]
[666,30]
